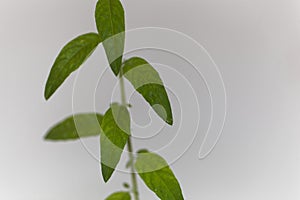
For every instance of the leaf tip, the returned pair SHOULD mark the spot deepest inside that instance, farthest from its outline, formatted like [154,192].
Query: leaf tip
[170,121]
[47,93]
[46,97]
[106,172]
[116,72]
[105,178]
[47,137]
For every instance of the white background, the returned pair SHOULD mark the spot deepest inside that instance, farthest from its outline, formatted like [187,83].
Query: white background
[256,44]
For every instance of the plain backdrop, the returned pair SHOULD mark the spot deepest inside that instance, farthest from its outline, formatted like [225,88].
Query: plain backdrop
[255,43]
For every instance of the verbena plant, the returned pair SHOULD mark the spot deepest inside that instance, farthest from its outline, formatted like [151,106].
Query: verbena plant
[114,126]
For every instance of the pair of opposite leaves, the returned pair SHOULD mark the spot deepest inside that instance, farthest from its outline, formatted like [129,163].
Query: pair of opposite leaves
[111,26]
[111,32]
[114,131]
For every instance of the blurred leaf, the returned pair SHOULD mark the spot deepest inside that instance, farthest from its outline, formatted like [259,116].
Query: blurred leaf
[146,80]
[110,23]
[69,59]
[157,175]
[77,126]
[126,185]
[119,196]
[128,164]
[114,136]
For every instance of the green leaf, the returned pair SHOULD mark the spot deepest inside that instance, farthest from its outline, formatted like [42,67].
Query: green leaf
[110,23]
[157,175]
[126,185]
[114,136]
[146,80]
[69,59]
[77,126]
[119,196]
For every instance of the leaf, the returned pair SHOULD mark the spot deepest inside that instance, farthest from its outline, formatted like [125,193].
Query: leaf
[69,59]
[110,23]
[157,175]
[114,136]
[146,80]
[77,126]
[126,185]
[119,196]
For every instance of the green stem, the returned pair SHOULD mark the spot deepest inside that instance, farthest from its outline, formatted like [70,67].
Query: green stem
[129,144]
[133,175]
[122,88]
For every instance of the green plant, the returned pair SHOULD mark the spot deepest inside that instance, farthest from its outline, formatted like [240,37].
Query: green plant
[114,126]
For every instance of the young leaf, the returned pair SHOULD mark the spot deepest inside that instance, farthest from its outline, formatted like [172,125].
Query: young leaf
[69,59]
[157,175]
[119,196]
[126,185]
[110,23]
[77,126]
[115,128]
[146,80]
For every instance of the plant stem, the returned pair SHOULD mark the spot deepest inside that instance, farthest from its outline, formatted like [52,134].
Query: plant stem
[129,144]
[133,175]
[122,89]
